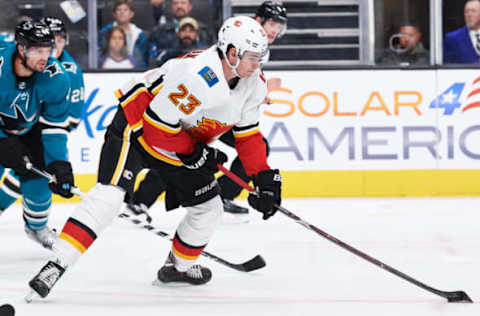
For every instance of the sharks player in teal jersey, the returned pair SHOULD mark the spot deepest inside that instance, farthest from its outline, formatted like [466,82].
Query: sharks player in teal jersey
[75,74]
[34,112]
[10,187]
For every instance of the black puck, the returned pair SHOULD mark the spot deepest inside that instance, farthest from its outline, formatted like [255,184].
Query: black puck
[7,310]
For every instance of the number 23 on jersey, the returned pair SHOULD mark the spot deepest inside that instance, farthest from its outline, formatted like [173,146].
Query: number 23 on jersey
[177,97]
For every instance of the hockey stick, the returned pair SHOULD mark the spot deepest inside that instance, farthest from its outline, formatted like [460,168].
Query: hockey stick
[7,310]
[255,263]
[454,296]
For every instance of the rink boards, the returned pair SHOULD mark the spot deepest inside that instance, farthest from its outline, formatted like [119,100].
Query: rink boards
[343,132]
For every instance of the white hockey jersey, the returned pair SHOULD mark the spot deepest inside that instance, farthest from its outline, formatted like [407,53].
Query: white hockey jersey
[188,100]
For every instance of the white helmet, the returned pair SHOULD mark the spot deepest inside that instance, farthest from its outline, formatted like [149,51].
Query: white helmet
[245,34]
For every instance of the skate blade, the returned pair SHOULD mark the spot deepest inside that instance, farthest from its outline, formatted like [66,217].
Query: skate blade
[228,218]
[159,283]
[30,296]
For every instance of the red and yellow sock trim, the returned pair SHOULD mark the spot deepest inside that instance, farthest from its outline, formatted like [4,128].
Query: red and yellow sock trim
[184,250]
[78,235]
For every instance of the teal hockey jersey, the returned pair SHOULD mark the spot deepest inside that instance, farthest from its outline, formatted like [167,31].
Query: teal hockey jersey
[43,98]
[77,88]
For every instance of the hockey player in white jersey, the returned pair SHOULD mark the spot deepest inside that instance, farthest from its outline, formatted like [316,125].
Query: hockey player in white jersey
[164,122]
[272,15]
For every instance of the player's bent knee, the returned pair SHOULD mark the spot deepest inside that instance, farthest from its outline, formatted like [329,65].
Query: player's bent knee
[206,214]
[201,221]
[100,206]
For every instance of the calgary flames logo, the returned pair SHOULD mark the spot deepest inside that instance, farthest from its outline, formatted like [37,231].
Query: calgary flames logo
[206,129]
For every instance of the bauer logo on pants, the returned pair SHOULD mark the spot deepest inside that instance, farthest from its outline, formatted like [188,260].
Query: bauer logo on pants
[206,188]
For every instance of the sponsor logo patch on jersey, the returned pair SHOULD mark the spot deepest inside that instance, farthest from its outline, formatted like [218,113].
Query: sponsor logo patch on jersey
[209,76]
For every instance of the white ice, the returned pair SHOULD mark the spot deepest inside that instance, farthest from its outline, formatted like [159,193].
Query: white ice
[436,241]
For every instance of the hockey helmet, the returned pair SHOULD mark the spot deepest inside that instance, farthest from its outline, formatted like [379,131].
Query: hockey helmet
[243,33]
[272,10]
[34,33]
[56,25]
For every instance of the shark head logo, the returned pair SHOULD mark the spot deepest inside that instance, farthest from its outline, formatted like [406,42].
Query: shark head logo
[53,69]
[15,118]
[69,66]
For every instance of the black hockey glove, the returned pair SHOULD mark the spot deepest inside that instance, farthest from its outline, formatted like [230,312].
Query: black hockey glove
[62,170]
[268,184]
[204,159]
[14,155]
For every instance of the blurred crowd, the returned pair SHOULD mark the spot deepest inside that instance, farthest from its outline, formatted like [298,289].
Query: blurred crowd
[122,44]
[460,45]
[165,29]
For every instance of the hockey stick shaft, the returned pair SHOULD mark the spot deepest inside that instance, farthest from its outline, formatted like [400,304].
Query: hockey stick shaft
[455,296]
[255,263]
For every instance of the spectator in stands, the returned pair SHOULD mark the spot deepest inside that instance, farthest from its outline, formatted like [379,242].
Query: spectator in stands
[123,13]
[164,35]
[462,46]
[187,40]
[158,9]
[114,54]
[405,47]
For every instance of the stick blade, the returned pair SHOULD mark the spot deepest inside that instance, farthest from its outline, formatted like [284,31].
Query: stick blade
[458,297]
[255,263]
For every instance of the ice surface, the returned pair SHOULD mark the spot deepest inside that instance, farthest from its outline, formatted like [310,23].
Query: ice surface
[435,240]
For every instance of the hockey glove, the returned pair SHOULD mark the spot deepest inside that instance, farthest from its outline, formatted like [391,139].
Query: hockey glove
[204,159]
[268,184]
[62,170]
[14,155]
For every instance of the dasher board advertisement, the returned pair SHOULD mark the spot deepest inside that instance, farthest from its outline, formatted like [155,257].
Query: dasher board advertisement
[339,123]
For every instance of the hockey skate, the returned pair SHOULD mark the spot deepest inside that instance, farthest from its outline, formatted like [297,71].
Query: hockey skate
[196,275]
[232,208]
[43,282]
[45,236]
[140,211]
